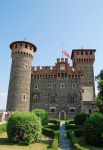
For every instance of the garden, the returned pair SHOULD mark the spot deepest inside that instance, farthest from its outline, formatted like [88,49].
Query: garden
[29,131]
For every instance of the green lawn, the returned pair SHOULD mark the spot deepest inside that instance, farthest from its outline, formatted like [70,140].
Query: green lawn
[83,143]
[5,145]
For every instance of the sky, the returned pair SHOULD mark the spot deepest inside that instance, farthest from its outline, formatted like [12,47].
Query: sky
[48,23]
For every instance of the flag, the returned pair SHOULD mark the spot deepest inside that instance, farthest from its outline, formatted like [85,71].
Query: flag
[66,53]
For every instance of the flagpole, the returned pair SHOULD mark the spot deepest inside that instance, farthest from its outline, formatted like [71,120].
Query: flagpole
[62,49]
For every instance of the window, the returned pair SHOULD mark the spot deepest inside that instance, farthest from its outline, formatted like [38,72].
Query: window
[62,86]
[35,86]
[90,52]
[62,67]
[74,86]
[72,99]
[52,99]
[24,97]
[26,66]
[52,109]
[82,90]
[50,85]
[35,97]
[26,46]
[72,109]
[81,53]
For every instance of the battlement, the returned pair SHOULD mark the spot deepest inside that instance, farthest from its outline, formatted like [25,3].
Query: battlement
[43,68]
[23,47]
[62,60]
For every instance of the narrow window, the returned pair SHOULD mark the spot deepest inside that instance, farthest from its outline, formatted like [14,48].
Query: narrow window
[35,86]
[24,97]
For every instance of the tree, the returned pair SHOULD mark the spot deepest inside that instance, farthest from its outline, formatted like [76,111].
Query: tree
[99,98]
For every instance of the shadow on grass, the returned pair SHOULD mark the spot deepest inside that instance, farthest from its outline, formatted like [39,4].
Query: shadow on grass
[5,141]
[47,142]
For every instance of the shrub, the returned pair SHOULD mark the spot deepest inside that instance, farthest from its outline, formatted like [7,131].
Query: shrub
[23,128]
[79,132]
[48,132]
[80,118]
[3,127]
[43,116]
[72,126]
[94,129]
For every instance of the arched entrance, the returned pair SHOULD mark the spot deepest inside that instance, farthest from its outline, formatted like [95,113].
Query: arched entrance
[62,115]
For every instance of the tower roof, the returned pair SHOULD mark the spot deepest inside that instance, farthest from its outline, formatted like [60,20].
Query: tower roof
[16,42]
[75,50]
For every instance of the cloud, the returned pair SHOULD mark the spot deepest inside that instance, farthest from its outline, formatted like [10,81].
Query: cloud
[3,100]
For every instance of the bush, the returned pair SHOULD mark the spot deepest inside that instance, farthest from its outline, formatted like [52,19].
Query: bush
[80,118]
[43,116]
[3,127]
[72,126]
[94,129]
[79,132]
[48,132]
[23,128]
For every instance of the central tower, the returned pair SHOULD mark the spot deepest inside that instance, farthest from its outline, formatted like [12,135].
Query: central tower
[20,76]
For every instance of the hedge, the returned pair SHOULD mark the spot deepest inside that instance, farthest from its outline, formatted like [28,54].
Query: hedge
[55,141]
[93,130]
[53,126]
[80,118]
[48,132]
[74,141]
[54,121]
[23,128]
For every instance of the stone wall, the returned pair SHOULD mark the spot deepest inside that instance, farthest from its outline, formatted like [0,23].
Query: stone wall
[57,95]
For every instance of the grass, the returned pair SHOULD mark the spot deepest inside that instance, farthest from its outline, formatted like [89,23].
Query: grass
[44,144]
[84,144]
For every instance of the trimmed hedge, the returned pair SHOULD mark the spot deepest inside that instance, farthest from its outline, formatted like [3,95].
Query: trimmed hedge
[23,128]
[74,141]
[55,141]
[72,126]
[42,114]
[48,132]
[54,121]
[93,130]
[80,118]
[53,126]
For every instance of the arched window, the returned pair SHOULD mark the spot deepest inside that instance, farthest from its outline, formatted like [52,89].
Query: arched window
[62,85]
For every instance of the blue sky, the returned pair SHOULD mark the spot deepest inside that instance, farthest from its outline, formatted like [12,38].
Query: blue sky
[46,23]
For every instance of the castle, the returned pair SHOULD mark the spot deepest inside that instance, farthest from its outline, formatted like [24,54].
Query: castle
[62,90]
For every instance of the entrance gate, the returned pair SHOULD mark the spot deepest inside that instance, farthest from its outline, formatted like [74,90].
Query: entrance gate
[62,115]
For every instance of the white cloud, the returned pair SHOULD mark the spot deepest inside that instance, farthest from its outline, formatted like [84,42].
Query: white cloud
[3,100]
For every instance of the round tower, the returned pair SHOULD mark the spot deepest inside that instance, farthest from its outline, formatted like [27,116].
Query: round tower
[20,76]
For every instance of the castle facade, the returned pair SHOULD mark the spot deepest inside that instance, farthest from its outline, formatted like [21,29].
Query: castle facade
[62,90]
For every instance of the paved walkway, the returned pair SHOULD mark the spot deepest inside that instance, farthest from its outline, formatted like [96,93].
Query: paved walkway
[64,143]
